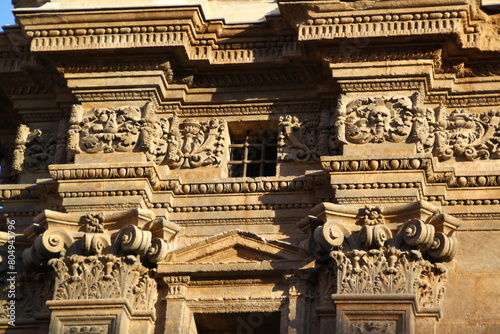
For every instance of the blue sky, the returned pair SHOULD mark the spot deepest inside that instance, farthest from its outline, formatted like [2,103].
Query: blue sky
[6,16]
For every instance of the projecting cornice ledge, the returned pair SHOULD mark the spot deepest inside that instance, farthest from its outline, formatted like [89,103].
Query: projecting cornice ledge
[155,27]
[385,264]
[327,20]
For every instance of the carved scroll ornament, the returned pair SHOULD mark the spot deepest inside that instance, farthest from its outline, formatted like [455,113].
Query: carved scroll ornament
[34,151]
[186,144]
[373,258]
[56,242]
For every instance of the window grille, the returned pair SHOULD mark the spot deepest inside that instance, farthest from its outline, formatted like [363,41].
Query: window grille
[254,155]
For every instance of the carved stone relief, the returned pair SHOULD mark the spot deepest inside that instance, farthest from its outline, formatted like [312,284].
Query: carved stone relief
[376,253]
[34,151]
[375,327]
[377,120]
[459,134]
[186,144]
[131,239]
[104,277]
[105,129]
[306,141]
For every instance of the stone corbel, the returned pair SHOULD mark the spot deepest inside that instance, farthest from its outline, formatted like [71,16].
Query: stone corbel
[134,232]
[383,258]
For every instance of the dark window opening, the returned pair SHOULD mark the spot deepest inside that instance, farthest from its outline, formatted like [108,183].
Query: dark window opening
[238,323]
[253,155]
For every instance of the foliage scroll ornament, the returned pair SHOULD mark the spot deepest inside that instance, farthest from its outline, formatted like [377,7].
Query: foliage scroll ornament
[104,277]
[34,151]
[460,134]
[308,140]
[379,258]
[186,144]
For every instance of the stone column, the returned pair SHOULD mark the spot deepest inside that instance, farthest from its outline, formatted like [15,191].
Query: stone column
[177,317]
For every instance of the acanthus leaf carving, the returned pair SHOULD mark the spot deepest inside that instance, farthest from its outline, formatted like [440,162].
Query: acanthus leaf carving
[381,258]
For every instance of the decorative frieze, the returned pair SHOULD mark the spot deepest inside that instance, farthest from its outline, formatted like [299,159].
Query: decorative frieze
[186,144]
[34,151]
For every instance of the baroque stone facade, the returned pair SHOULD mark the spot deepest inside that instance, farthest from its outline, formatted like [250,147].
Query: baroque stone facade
[231,166]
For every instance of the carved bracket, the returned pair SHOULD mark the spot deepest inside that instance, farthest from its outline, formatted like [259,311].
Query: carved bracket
[396,250]
[61,235]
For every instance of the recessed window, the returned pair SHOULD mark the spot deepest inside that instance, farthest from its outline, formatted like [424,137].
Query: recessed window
[253,155]
[238,323]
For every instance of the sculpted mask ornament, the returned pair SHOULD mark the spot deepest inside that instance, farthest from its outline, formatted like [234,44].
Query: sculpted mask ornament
[377,120]
[186,144]
[308,140]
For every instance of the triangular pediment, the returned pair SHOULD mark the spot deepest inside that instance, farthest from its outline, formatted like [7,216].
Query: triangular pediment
[236,246]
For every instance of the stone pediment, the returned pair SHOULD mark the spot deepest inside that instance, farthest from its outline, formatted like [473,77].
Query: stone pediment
[237,250]
[236,246]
